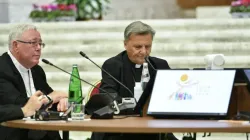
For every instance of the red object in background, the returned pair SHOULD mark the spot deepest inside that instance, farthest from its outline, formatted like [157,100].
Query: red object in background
[72,7]
[62,7]
[95,90]
[44,7]
[245,2]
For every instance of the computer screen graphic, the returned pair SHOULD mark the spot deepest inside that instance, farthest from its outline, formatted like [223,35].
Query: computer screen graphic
[191,92]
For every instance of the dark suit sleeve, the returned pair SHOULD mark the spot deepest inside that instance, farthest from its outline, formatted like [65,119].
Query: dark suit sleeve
[41,80]
[113,67]
[9,93]
[165,65]
[160,63]
[47,86]
[41,83]
[10,112]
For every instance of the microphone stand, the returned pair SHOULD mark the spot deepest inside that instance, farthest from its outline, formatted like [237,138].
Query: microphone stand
[102,112]
[147,60]
[85,56]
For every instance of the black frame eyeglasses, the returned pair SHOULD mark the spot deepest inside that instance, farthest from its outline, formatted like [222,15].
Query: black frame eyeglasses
[33,43]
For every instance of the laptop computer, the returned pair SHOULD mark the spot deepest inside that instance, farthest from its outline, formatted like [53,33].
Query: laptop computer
[247,78]
[247,74]
[147,92]
[191,94]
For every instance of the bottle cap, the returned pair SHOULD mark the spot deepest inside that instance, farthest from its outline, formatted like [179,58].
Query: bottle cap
[74,65]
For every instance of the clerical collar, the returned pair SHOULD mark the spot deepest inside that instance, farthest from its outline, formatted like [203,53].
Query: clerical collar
[137,66]
[133,65]
[18,65]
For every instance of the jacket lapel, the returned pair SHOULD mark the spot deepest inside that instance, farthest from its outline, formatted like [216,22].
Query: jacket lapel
[127,75]
[152,72]
[17,75]
[35,79]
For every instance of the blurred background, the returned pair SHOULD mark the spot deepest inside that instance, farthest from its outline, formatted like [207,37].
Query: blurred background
[186,30]
[19,10]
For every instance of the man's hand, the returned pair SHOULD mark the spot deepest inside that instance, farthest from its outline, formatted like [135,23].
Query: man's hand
[34,103]
[57,96]
[62,105]
[61,98]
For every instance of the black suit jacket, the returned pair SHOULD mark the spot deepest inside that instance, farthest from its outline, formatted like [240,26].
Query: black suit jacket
[120,68]
[10,112]
[13,92]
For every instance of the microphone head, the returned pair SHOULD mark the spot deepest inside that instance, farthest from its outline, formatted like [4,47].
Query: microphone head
[83,54]
[146,58]
[46,62]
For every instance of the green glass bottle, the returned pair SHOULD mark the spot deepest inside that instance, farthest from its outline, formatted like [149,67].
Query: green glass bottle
[75,87]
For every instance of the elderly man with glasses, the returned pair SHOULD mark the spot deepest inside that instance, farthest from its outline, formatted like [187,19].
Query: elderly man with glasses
[21,77]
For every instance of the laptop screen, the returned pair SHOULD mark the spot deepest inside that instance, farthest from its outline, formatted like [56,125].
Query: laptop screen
[191,92]
[247,73]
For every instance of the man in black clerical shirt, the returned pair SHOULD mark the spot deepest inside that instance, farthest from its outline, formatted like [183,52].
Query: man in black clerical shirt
[127,68]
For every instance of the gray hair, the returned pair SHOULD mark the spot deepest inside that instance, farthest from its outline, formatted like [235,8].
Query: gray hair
[139,28]
[17,31]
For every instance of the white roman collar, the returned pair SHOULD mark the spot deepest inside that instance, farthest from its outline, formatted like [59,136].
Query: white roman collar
[137,66]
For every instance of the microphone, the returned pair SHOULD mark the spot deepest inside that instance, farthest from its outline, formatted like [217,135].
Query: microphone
[49,63]
[85,56]
[104,112]
[147,60]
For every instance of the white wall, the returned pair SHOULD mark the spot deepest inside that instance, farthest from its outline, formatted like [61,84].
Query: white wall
[4,11]
[143,9]
[18,10]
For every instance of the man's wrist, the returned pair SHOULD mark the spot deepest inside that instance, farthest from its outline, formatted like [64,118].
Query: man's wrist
[51,97]
[25,112]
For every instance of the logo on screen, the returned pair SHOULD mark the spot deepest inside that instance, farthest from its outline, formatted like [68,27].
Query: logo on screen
[183,96]
[186,86]
[185,80]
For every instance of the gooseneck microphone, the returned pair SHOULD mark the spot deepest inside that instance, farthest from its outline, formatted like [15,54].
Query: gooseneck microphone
[85,56]
[49,63]
[101,112]
[147,60]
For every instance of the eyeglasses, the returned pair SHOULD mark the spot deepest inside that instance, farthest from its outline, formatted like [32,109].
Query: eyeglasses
[33,43]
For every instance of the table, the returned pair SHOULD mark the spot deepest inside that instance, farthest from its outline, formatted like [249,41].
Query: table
[240,101]
[134,125]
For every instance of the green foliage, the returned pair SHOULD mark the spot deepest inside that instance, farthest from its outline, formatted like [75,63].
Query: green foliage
[87,9]
[80,9]
[50,15]
[66,1]
[38,14]
[67,13]
[53,14]
[241,8]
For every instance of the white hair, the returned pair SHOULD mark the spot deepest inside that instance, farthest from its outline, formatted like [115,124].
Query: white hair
[17,31]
